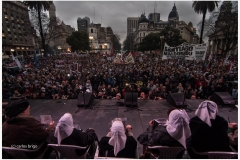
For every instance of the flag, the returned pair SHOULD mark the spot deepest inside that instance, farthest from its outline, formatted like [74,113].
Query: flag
[129,59]
[35,59]
[16,61]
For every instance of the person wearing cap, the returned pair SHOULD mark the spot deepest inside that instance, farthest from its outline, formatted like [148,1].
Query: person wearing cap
[22,129]
[176,132]
[209,130]
[119,142]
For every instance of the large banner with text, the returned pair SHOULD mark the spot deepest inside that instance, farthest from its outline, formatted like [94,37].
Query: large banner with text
[185,51]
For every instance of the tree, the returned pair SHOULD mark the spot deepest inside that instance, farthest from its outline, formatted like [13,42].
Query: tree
[78,41]
[39,6]
[223,24]
[128,42]
[115,42]
[150,42]
[203,7]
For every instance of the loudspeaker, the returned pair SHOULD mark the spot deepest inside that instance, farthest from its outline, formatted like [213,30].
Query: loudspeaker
[86,98]
[222,98]
[131,98]
[176,100]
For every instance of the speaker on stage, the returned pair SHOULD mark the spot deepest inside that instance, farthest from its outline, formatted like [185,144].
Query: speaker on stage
[131,99]
[85,99]
[222,98]
[176,100]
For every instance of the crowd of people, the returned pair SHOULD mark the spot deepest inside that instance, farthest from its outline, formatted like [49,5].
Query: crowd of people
[205,132]
[150,76]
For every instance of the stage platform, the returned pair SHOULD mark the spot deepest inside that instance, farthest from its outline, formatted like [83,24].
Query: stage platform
[106,110]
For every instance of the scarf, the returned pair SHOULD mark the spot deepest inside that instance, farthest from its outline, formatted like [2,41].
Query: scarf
[206,111]
[64,127]
[178,126]
[118,137]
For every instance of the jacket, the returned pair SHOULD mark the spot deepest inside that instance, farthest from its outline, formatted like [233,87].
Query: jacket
[206,138]
[158,136]
[23,130]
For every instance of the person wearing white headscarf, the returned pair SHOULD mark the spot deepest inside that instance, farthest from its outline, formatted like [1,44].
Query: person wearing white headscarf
[178,126]
[173,134]
[118,143]
[209,131]
[65,133]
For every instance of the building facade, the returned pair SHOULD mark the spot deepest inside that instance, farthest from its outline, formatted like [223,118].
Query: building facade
[17,35]
[100,38]
[147,26]
[227,35]
[83,23]
[132,24]
[58,41]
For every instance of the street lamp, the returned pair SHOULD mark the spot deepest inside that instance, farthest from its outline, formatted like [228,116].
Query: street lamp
[161,38]
[91,38]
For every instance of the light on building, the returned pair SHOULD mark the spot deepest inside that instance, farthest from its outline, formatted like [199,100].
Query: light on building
[91,37]
[12,50]
[23,47]
[3,34]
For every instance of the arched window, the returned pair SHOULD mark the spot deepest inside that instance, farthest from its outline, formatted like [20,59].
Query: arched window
[91,30]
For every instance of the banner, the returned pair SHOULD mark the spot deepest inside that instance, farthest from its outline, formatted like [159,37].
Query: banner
[129,59]
[59,63]
[185,51]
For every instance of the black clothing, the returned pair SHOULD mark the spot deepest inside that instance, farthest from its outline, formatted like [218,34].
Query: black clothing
[127,152]
[77,138]
[158,136]
[205,138]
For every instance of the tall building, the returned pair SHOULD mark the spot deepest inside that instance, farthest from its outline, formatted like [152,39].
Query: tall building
[83,23]
[52,11]
[100,38]
[16,29]
[132,24]
[57,39]
[154,17]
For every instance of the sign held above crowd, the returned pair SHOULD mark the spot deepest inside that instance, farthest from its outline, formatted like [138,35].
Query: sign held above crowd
[186,50]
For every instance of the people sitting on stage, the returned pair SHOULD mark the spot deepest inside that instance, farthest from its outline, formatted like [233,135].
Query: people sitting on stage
[118,142]
[65,133]
[20,129]
[174,133]
[209,131]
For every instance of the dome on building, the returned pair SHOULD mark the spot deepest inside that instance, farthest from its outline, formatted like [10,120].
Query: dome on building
[173,13]
[143,19]
[190,24]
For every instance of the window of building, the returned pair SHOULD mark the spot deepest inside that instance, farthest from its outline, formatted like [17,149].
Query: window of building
[143,34]
[6,16]
[140,34]
[3,34]
[8,29]
[91,30]
[17,47]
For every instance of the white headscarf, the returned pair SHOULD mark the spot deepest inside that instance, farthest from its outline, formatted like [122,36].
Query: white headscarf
[178,126]
[64,127]
[118,137]
[207,110]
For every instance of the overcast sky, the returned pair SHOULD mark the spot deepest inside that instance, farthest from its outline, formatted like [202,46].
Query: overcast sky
[114,13]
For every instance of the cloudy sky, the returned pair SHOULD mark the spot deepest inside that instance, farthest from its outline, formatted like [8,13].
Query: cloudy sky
[114,13]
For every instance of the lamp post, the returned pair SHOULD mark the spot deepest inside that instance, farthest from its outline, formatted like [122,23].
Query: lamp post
[91,38]
[161,38]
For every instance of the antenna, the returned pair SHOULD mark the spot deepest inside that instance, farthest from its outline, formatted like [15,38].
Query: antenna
[94,14]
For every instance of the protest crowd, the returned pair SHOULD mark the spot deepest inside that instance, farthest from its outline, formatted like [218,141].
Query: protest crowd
[108,77]
[149,75]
